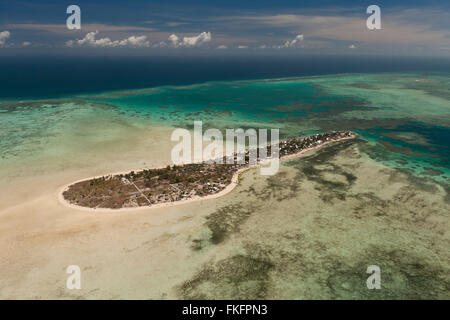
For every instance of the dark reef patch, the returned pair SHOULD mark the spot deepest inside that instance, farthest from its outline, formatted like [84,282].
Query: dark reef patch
[226,220]
[369,204]
[279,187]
[15,106]
[403,276]
[310,167]
[329,123]
[237,277]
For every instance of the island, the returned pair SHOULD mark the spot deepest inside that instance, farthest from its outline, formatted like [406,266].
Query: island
[180,183]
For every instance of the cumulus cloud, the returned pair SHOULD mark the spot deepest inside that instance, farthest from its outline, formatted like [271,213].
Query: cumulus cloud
[174,40]
[194,41]
[293,43]
[201,38]
[139,41]
[161,44]
[4,35]
[91,41]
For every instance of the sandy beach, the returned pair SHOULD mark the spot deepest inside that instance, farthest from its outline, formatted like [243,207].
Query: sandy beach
[234,182]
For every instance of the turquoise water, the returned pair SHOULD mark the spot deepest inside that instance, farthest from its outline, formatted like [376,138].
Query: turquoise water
[269,101]
[404,117]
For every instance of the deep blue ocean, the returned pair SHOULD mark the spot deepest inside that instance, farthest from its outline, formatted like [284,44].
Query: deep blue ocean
[27,77]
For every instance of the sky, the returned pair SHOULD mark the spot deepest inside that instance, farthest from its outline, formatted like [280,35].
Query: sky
[179,27]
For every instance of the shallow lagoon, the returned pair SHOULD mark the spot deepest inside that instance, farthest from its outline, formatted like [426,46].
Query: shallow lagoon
[377,106]
[308,232]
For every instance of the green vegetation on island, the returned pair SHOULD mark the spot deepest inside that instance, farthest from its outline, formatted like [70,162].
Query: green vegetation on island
[178,182]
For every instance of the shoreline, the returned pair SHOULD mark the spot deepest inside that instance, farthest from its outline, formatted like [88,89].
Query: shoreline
[230,187]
